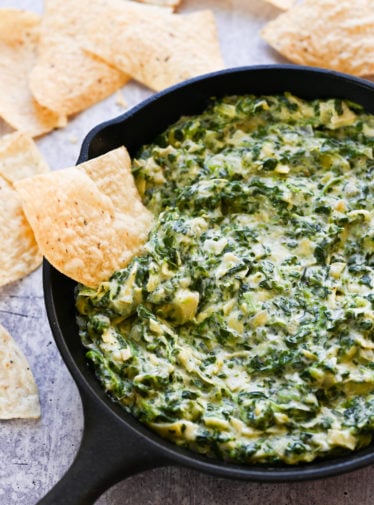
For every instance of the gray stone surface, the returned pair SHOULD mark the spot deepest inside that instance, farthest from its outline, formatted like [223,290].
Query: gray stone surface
[35,454]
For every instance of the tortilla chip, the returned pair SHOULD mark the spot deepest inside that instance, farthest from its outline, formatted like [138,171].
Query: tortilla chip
[19,253]
[18,391]
[326,33]
[19,32]
[20,157]
[66,79]
[156,48]
[112,175]
[282,4]
[86,232]
[163,3]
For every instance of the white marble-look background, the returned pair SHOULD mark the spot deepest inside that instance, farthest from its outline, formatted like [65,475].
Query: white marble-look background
[35,454]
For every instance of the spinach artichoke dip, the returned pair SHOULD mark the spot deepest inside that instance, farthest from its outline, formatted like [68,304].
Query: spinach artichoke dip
[245,330]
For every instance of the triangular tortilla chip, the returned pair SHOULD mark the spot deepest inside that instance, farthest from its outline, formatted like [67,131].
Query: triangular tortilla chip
[19,252]
[112,175]
[80,224]
[66,79]
[19,32]
[20,157]
[156,48]
[18,391]
[338,35]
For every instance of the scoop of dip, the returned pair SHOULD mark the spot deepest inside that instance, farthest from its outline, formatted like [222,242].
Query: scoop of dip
[245,330]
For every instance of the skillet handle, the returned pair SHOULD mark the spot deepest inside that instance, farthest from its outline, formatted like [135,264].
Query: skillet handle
[108,453]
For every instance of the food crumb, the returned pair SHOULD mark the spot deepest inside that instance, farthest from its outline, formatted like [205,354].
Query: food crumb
[73,139]
[120,100]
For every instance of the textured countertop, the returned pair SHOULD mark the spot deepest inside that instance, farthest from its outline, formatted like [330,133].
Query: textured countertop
[35,454]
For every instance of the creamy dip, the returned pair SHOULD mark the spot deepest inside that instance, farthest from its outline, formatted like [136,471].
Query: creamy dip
[245,330]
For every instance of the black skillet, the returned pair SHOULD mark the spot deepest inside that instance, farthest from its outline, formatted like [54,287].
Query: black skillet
[114,444]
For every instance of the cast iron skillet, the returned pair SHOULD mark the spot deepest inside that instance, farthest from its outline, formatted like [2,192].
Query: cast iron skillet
[114,444]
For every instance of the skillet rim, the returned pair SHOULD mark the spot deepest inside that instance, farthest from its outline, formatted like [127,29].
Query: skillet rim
[87,382]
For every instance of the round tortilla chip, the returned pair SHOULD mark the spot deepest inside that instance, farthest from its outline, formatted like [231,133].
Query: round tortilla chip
[19,396]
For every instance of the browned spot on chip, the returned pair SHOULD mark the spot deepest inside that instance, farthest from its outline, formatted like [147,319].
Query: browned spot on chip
[88,220]
[19,253]
[19,32]
[326,33]
[18,391]
[163,3]
[66,79]
[155,47]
